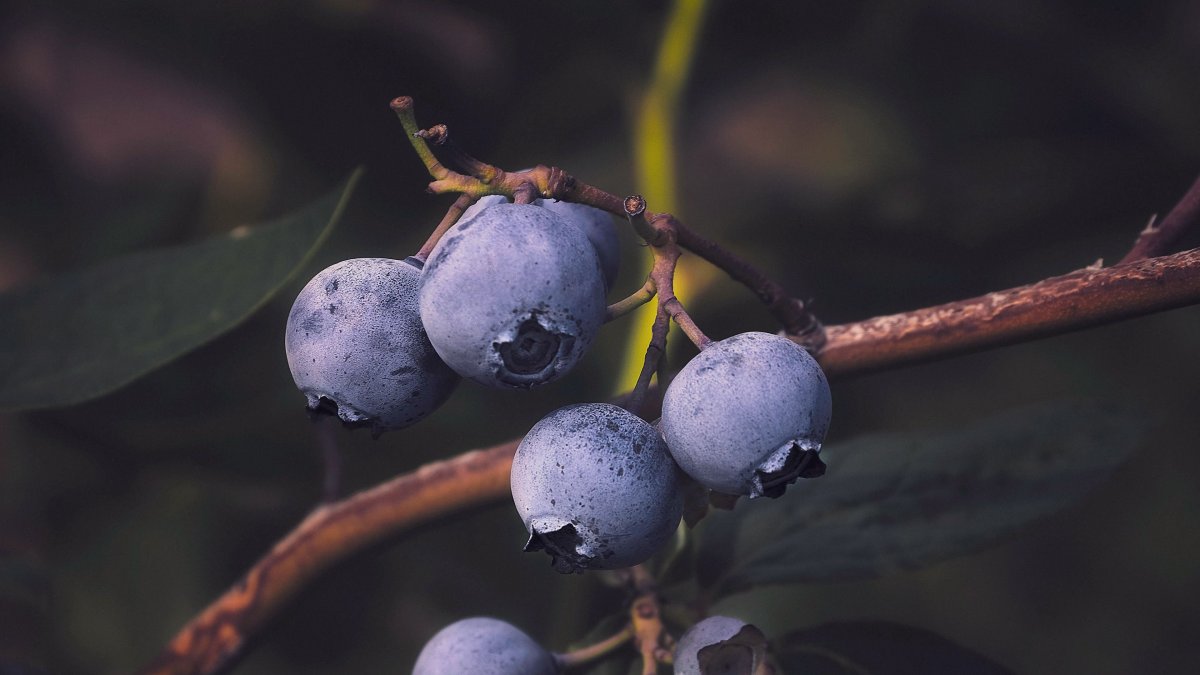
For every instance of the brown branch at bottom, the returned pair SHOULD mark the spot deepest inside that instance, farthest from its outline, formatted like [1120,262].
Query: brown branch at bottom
[213,640]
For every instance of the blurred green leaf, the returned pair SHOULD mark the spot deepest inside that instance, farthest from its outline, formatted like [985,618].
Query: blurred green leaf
[81,335]
[900,501]
[877,648]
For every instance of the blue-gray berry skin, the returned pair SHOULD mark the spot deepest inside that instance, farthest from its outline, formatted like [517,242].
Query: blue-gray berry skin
[596,488]
[512,297]
[747,415]
[483,646]
[598,226]
[484,202]
[595,223]
[355,345]
[710,631]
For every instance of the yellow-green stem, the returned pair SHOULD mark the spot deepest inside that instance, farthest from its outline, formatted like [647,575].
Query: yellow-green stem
[654,143]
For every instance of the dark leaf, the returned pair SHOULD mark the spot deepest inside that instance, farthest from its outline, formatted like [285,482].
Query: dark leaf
[877,648]
[900,501]
[84,334]
[24,599]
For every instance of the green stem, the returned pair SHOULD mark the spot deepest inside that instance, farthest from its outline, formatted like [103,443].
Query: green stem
[636,299]
[403,107]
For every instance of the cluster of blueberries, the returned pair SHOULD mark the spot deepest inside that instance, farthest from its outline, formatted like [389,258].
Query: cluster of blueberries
[511,297]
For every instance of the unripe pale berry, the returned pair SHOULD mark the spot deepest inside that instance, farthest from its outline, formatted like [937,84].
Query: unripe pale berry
[483,646]
[512,297]
[355,345]
[747,415]
[596,488]
[711,631]
[596,224]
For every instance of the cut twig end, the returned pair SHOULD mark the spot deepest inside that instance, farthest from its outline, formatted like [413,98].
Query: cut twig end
[437,134]
[635,205]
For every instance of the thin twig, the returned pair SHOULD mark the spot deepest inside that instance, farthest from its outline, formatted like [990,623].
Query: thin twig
[403,107]
[798,322]
[662,273]
[554,183]
[654,357]
[455,212]
[331,459]
[634,300]
[586,655]
[451,155]
[650,635]
[1161,236]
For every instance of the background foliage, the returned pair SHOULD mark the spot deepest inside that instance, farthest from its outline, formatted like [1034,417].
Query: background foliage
[877,156]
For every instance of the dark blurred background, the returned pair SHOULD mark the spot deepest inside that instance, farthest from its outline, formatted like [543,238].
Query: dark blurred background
[876,156]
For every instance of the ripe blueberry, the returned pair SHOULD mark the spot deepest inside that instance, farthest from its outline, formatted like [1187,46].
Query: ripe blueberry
[512,297]
[747,415]
[711,631]
[483,646]
[595,223]
[596,488]
[356,347]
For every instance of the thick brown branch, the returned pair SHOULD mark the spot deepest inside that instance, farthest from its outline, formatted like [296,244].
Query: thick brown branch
[1070,302]
[213,641]
[1162,236]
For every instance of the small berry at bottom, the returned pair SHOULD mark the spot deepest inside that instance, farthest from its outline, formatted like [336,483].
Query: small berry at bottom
[713,630]
[483,646]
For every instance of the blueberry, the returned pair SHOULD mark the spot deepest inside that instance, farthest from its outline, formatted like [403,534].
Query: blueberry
[598,226]
[595,223]
[356,346]
[483,646]
[711,631]
[596,488]
[512,297]
[747,415]
[484,202]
